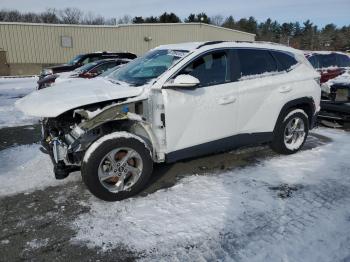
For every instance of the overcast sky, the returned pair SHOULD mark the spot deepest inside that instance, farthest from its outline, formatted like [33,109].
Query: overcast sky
[321,12]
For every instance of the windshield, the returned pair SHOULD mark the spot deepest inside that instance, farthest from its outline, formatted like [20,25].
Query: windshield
[86,67]
[142,70]
[75,60]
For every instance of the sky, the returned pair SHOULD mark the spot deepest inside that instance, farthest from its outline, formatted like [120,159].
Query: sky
[321,12]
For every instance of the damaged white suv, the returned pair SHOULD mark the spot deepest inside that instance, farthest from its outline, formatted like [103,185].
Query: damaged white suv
[176,102]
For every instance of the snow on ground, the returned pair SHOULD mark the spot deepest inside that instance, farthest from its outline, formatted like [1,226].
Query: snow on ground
[24,169]
[11,89]
[286,208]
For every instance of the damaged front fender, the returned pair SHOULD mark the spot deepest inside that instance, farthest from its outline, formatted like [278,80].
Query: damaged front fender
[135,113]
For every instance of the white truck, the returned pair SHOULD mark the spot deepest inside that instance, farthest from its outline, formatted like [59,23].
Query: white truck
[177,101]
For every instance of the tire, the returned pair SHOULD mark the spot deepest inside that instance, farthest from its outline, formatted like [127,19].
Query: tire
[280,143]
[97,166]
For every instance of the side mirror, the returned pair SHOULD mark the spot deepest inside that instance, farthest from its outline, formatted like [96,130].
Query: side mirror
[182,81]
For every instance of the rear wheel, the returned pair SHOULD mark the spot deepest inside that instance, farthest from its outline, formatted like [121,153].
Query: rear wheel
[117,168]
[291,133]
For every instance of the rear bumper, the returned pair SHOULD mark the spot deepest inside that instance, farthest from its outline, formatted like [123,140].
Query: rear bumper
[335,111]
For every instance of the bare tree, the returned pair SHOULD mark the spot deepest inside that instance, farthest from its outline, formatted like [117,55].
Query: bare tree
[92,19]
[126,19]
[217,20]
[71,16]
[49,16]
[13,16]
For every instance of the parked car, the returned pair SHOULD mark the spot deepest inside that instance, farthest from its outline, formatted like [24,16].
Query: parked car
[89,70]
[335,84]
[84,59]
[176,102]
[330,65]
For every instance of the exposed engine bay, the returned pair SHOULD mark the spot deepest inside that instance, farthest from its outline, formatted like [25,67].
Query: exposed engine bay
[66,137]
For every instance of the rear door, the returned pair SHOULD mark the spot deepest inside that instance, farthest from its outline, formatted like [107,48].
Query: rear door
[262,90]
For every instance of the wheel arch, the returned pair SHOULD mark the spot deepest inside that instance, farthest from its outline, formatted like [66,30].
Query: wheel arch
[137,128]
[307,104]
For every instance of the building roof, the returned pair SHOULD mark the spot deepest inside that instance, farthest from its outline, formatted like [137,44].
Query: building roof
[126,25]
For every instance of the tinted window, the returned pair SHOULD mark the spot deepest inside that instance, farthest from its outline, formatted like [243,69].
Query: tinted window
[75,60]
[86,67]
[343,60]
[256,62]
[210,69]
[285,61]
[325,61]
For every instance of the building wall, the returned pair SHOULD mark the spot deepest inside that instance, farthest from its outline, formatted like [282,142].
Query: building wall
[28,44]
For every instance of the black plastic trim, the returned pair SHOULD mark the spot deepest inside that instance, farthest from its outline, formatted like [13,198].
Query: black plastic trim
[296,104]
[220,145]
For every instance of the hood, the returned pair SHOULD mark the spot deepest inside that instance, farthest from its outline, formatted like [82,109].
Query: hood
[55,100]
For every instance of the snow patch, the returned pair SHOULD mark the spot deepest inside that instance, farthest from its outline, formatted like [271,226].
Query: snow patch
[37,243]
[12,89]
[24,169]
[228,216]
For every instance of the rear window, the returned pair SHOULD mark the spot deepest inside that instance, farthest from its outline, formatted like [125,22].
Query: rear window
[255,62]
[324,61]
[329,60]
[285,60]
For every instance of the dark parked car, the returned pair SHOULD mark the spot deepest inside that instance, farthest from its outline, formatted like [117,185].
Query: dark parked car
[329,64]
[90,70]
[334,68]
[84,59]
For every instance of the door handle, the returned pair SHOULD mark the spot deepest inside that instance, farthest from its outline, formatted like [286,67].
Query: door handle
[227,100]
[285,89]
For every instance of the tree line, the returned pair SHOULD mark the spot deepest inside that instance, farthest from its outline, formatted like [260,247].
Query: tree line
[305,35]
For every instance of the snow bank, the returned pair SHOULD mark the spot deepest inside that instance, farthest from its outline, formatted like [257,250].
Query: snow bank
[11,89]
[237,215]
[24,169]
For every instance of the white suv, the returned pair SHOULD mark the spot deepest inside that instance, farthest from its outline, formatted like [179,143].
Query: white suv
[175,102]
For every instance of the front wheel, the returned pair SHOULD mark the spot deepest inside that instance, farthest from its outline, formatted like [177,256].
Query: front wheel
[291,133]
[117,166]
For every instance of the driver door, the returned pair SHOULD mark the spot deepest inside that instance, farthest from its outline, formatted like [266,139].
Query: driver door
[201,120]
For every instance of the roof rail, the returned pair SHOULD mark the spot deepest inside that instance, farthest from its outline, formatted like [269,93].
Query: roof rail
[251,42]
[210,43]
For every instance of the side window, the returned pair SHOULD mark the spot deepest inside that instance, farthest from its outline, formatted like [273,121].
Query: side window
[94,58]
[210,69]
[85,61]
[285,60]
[256,62]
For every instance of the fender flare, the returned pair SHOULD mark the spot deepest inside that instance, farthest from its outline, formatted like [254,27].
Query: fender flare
[298,103]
